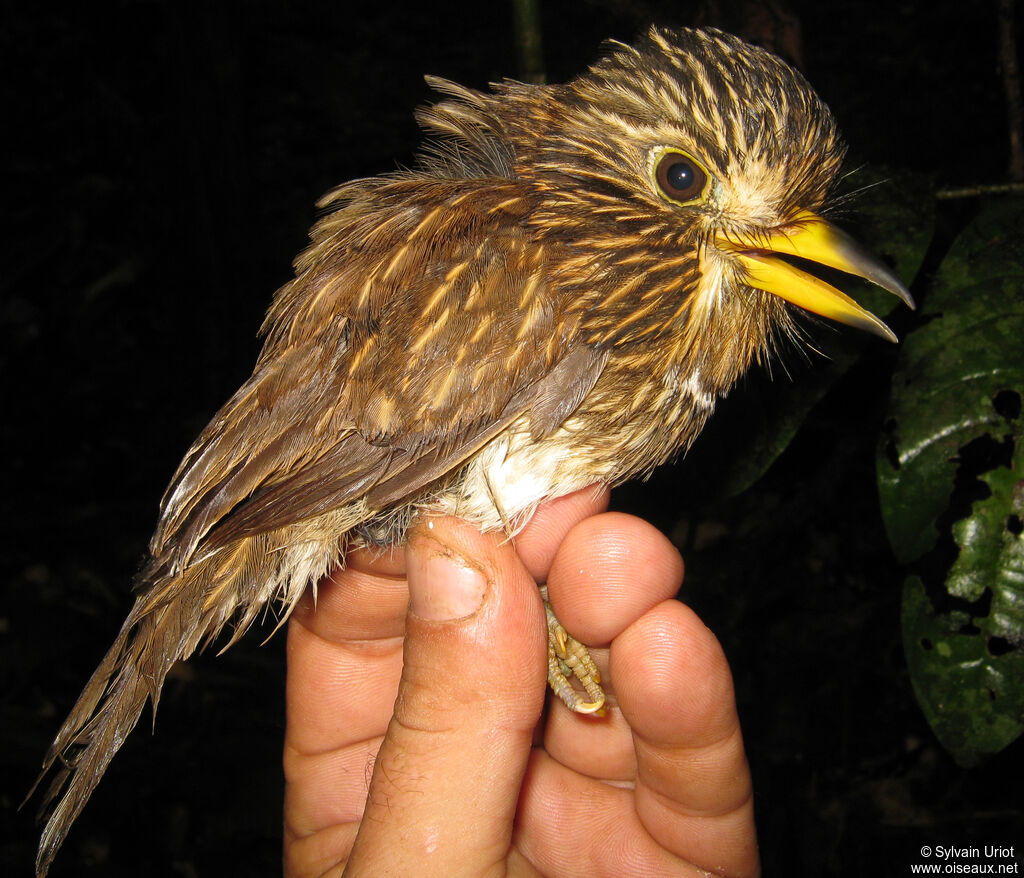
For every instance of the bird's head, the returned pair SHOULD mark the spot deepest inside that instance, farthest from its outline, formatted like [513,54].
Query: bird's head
[673,175]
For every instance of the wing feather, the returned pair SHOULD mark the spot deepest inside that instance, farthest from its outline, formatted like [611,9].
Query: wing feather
[385,367]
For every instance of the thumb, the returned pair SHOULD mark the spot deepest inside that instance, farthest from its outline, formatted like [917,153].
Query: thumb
[446,781]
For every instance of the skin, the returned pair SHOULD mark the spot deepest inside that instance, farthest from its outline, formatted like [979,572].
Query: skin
[470,775]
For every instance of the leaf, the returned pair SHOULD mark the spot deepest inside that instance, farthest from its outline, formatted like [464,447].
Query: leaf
[951,479]
[967,695]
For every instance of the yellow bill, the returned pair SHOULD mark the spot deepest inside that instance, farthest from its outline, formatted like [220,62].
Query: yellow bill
[809,237]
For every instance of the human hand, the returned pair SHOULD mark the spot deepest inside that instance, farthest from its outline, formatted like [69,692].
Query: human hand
[466,782]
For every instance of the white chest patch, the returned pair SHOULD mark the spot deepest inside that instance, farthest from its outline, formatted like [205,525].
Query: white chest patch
[511,476]
[695,388]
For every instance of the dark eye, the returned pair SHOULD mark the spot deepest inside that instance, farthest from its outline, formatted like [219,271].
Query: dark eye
[679,177]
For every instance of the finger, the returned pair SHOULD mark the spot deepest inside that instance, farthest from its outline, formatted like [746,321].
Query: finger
[693,789]
[446,780]
[344,660]
[537,543]
[354,601]
[689,812]
[344,663]
[581,826]
[609,571]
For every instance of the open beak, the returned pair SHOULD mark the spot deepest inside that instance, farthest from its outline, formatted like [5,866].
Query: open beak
[809,237]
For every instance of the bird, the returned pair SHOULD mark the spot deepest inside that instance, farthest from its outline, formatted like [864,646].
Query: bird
[554,296]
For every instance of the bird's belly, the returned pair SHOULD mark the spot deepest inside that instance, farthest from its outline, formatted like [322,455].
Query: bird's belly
[508,478]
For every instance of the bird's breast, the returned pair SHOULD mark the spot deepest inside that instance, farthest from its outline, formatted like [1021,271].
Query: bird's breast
[507,479]
[613,436]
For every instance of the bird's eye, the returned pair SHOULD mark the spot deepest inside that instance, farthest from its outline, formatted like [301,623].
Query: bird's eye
[680,178]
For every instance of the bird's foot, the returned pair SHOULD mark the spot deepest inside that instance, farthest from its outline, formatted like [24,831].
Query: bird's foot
[568,658]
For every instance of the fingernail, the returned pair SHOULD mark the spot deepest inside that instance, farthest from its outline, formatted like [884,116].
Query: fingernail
[442,584]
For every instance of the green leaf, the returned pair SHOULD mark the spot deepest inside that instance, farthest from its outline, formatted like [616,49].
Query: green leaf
[951,479]
[968,696]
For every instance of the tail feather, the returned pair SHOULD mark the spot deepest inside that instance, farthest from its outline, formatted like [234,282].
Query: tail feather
[175,613]
[90,737]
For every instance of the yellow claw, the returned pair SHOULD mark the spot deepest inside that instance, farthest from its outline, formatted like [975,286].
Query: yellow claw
[568,658]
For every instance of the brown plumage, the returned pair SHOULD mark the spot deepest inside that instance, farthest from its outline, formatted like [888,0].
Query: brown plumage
[556,296]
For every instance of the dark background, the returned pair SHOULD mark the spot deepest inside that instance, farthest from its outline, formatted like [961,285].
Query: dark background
[162,160]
